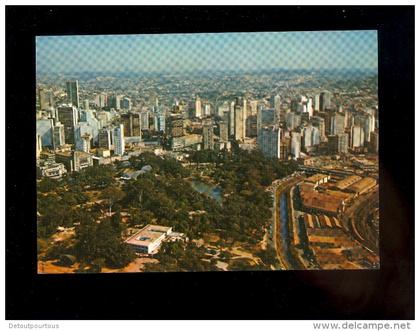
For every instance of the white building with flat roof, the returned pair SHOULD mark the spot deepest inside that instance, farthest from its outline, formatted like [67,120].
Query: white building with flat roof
[148,239]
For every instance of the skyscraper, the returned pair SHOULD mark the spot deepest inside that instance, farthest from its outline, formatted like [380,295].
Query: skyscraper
[223,131]
[119,141]
[268,141]
[208,138]
[265,117]
[132,124]
[144,120]
[239,123]
[105,135]
[72,88]
[68,116]
[337,124]
[357,137]
[126,103]
[338,144]
[324,100]
[198,108]
[101,100]
[295,144]
[46,99]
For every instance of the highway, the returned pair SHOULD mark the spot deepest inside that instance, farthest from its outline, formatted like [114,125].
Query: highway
[282,222]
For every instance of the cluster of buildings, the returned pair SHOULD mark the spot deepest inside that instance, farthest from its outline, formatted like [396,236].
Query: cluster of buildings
[108,126]
[320,195]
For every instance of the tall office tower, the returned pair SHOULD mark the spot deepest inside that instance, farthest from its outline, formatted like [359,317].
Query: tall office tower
[101,100]
[46,99]
[326,116]
[44,130]
[198,108]
[160,123]
[367,122]
[175,126]
[251,126]
[338,144]
[293,120]
[277,107]
[208,138]
[316,102]
[119,141]
[114,101]
[241,102]
[132,124]
[268,141]
[374,142]
[309,107]
[126,103]
[325,100]
[38,146]
[357,137]
[144,115]
[232,119]
[295,144]
[319,123]
[285,148]
[58,135]
[337,124]
[265,117]
[223,131]
[72,88]
[307,136]
[86,104]
[68,116]
[239,123]
[105,136]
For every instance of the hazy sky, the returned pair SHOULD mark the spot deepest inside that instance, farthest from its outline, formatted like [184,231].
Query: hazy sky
[216,51]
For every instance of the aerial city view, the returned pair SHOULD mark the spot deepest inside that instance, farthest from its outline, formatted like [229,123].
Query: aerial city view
[207,152]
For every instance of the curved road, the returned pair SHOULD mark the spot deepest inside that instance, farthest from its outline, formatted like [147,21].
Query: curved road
[357,219]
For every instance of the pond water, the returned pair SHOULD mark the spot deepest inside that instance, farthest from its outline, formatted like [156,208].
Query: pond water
[213,191]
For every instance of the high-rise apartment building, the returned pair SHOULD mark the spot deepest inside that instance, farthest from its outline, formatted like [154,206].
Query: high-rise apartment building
[119,141]
[208,137]
[198,108]
[105,136]
[72,88]
[68,116]
[132,124]
[223,131]
[338,144]
[268,141]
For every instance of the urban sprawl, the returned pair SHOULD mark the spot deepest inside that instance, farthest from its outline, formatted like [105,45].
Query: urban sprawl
[212,171]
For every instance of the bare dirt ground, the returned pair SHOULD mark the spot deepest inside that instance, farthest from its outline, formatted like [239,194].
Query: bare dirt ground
[48,267]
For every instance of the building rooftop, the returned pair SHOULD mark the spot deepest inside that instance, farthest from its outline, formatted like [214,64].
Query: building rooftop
[321,201]
[315,178]
[362,185]
[346,182]
[149,234]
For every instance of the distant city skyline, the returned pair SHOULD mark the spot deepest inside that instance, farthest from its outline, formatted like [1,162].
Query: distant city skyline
[177,53]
